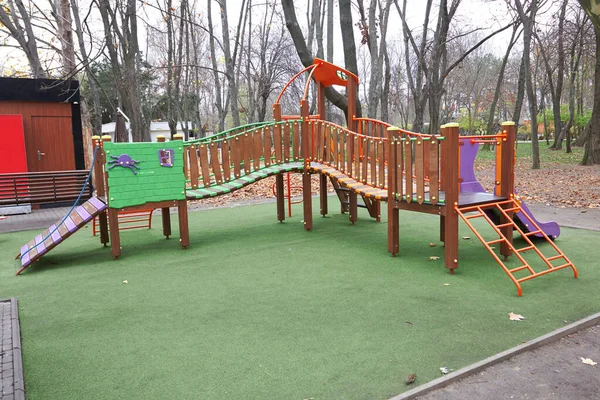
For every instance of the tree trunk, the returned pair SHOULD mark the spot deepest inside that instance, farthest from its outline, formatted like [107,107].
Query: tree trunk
[232,89]
[93,105]
[520,93]
[492,113]
[528,22]
[556,97]
[291,23]
[591,154]
[349,45]
[221,110]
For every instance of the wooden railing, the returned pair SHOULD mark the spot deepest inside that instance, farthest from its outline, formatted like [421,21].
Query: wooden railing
[414,167]
[43,187]
[228,157]
[371,127]
[358,156]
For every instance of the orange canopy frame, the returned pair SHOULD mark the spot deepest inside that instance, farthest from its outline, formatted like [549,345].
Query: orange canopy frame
[323,72]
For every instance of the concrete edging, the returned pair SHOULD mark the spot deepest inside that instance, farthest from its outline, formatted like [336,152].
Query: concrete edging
[478,366]
[19,384]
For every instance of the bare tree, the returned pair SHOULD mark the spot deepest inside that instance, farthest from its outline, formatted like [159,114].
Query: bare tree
[121,36]
[16,21]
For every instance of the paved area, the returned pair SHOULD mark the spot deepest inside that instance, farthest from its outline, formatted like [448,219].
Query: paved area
[38,219]
[553,371]
[11,364]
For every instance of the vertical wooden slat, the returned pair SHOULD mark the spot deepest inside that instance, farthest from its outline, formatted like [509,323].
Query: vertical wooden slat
[419,169]
[203,149]
[356,146]
[186,162]
[373,156]
[326,142]
[266,134]
[194,172]
[408,172]
[343,137]
[349,152]
[257,149]
[433,170]
[296,144]
[225,161]
[365,160]
[381,163]
[400,168]
[286,143]
[277,144]
[216,164]
[318,142]
[247,152]
[334,139]
[236,154]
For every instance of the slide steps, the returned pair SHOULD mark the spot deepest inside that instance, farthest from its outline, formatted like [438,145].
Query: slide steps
[503,229]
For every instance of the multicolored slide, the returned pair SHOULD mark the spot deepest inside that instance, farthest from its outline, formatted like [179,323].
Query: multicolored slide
[57,233]
[468,153]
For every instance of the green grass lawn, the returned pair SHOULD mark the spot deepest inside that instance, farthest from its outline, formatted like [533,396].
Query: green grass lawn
[547,156]
[255,309]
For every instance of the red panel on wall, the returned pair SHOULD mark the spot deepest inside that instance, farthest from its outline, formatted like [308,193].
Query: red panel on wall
[12,152]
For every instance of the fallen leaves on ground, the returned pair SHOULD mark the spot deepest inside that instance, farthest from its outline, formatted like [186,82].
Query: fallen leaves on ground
[515,317]
[559,185]
[588,361]
[410,379]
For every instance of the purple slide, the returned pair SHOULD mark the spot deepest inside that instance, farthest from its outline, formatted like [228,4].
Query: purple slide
[468,153]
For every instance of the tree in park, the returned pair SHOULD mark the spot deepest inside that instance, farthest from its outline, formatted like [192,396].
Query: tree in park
[592,146]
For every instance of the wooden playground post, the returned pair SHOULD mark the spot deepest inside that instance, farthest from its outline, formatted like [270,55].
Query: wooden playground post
[279,188]
[442,178]
[101,189]
[164,211]
[113,215]
[306,181]
[393,211]
[452,188]
[322,177]
[100,185]
[506,145]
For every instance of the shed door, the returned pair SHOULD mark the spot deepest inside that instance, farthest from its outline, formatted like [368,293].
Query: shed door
[52,148]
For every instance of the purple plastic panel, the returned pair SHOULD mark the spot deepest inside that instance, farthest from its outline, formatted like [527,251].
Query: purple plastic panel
[165,157]
[468,153]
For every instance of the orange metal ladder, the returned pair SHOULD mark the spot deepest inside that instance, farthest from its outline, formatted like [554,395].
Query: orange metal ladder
[504,208]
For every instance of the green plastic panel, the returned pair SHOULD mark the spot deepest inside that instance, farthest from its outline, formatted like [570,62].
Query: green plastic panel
[131,186]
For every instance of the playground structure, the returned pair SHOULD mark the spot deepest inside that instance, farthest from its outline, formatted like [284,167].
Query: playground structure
[369,159]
